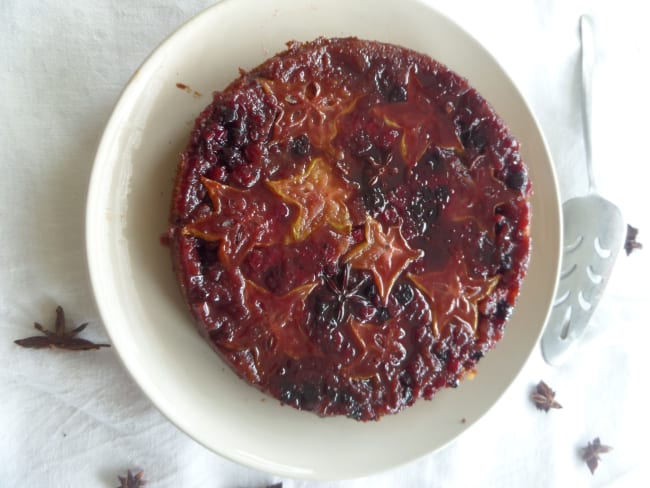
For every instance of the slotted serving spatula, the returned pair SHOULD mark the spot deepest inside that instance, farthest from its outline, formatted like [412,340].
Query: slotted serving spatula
[594,232]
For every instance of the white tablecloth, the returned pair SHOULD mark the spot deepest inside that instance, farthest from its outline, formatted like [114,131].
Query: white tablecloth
[77,419]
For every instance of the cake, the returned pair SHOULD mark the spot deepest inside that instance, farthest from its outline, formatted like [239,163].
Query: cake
[350,226]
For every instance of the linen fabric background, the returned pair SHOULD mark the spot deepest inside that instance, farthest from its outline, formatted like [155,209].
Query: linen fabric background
[78,419]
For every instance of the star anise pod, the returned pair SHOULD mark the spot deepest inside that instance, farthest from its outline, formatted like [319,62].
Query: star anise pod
[380,167]
[132,480]
[341,294]
[591,453]
[60,338]
[544,398]
[630,240]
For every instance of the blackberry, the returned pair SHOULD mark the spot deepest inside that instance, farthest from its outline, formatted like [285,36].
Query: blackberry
[303,396]
[383,80]
[360,143]
[474,137]
[476,355]
[300,146]
[442,194]
[404,294]
[232,157]
[238,133]
[517,180]
[425,205]
[275,279]
[398,94]
[504,310]
[374,200]
[382,315]
[228,114]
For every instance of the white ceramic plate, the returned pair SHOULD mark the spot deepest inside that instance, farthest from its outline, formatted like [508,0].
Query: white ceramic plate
[136,293]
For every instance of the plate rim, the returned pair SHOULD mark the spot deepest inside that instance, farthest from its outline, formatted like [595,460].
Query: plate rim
[111,129]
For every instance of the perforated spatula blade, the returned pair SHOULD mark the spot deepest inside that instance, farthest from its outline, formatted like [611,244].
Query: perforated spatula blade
[594,232]
[590,252]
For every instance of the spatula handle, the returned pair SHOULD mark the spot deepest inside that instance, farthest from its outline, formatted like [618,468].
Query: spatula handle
[587,58]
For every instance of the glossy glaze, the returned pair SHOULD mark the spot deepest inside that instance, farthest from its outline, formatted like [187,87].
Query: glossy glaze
[350,227]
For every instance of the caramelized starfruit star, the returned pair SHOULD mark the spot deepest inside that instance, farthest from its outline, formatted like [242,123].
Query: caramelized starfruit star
[377,344]
[281,316]
[320,196]
[385,254]
[313,108]
[422,121]
[240,220]
[453,296]
[270,330]
[478,194]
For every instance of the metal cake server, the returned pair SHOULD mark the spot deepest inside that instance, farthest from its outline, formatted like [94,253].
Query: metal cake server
[594,232]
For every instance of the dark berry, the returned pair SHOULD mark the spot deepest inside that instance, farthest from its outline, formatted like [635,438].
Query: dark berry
[209,256]
[275,278]
[405,379]
[406,382]
[398,94]
[321,308]
[300,145]
[506,262]
[504,310]
[289,394]
[370,291]
[374,200]
[354,409]
[383,80]
[404,294]
[382,315]
[517,180]
[361,144]
[442,355]
[238,133]
[424,206]
[416,208]
[326,314]
[407,395]
[228,114]
[309,395]
[303,396]
[232,157]
[474,136]
[435,160]
[501,225]
[478,140]
[442,194]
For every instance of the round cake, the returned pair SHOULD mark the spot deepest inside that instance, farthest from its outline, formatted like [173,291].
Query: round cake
[350,226]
